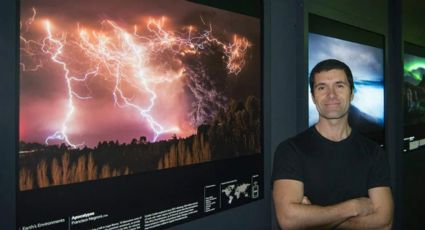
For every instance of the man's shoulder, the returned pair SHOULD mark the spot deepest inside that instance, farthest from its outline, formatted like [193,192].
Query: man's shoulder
[304,137]
[300,139]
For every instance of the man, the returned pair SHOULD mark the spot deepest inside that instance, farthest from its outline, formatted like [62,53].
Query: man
[329,176]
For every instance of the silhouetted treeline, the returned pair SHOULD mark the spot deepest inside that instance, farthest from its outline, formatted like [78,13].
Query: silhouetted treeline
[234,131]
[41,164]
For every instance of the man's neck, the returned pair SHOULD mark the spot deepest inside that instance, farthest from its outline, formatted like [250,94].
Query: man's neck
[334,130]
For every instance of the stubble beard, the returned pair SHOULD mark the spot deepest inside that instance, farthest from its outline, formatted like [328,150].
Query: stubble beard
[333,115]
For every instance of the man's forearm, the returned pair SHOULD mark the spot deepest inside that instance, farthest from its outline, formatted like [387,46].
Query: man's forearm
[301,216]
[372,222]
[381,216]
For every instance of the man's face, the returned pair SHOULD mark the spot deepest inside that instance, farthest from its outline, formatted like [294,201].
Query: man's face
[332,94]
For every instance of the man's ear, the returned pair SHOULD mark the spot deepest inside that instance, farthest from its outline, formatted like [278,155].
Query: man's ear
[352,96]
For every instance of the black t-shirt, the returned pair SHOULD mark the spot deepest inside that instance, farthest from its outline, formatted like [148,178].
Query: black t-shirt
[332,172]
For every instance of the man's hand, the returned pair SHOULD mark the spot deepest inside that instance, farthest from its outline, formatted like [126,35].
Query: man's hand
[379,217]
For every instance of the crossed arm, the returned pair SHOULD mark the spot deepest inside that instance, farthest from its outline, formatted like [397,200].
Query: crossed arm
[294,211]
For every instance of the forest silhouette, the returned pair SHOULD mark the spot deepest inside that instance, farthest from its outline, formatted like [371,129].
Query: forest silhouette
[234,131]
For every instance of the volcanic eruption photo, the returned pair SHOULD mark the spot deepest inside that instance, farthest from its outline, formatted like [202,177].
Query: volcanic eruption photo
[111,88]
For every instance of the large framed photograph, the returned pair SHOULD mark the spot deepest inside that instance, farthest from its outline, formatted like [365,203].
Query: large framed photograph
[414,96]
[139,114]
[363,52]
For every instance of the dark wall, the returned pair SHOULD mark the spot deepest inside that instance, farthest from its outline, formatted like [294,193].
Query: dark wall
[369,15]
[414,189]
[413,21]
[285,40]
[8,119]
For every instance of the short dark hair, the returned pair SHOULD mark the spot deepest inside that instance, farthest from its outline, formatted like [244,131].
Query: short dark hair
[331,64]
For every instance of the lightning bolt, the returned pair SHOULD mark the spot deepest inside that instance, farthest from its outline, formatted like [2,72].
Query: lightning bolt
[129,59]
[105,52]
[54,48]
